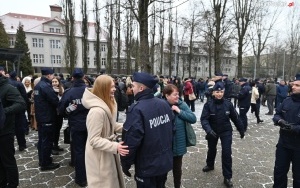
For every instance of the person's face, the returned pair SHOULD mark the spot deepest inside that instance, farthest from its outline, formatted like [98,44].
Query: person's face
[282,83]
[112,89]
[296,87]
[55,82]
[218,94]
[173,97]
[137,87]
[27,83]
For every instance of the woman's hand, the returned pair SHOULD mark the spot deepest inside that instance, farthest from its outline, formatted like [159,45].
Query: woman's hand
[175,108]
[122,149]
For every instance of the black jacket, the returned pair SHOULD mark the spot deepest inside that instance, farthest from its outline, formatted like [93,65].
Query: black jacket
[12,102]
[45,101]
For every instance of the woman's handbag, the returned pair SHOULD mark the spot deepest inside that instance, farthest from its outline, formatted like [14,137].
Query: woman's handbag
[190,135]
[192,96]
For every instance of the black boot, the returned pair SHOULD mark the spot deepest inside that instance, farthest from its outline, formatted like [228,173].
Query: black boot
[228,182]
[207,168]
[259,121]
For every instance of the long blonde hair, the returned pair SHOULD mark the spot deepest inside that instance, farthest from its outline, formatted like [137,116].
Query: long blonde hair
[102,88]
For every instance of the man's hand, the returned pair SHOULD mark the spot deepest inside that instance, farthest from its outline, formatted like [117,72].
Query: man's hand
[211,135]
[71,108]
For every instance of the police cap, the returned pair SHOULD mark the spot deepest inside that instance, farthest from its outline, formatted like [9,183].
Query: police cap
[47,71]
[147,79]
[77,73]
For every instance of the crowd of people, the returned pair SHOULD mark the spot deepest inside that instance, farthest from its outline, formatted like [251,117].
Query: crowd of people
[153,137]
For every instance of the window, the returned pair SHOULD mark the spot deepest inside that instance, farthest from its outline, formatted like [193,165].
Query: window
[41,43]
[199,69]
[52,59]
[41,58]
[229,61]
[35,58]
[206,69]
[88,46]
[123,65]
[103,47]
[94,61]
[52,43]
[57,42]
[88,60]
[115,65]
[34,42]
[58,59]
[12,41]
[51,30]
[57,30]
[103,61]
[94,46]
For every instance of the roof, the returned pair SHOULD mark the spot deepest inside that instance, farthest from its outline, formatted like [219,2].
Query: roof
[10,54]
[34,24]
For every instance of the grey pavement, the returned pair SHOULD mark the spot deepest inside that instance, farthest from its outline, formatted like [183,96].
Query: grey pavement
[253,160]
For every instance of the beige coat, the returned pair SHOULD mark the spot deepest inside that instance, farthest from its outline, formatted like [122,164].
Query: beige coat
[255,95]
[101,159]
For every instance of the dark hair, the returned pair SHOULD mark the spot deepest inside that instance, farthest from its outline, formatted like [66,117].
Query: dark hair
[252,83]
[169,88]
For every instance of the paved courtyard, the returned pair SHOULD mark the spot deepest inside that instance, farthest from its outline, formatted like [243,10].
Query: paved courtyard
[253,160]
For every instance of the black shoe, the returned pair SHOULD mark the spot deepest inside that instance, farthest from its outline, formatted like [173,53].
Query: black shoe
[50,166]
[269,113]
[207,168]
[22,148]
[57,148]
[228,182]
[259,121]
[81,184]
[53,152]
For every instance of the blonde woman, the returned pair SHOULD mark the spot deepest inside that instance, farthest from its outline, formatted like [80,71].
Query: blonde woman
[101,159]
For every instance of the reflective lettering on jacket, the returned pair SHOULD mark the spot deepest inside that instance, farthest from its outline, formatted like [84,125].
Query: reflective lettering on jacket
[159,120]
[75,101]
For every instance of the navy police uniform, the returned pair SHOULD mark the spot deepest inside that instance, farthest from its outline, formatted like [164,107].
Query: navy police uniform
[244,98]
[215,120]
[148,132]
[46,102]
[287,116]
[77,123]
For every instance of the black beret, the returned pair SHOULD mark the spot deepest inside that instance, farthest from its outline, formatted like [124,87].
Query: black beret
[243,80]
[13,74]
[46,71]
[147,79]
[297,77]
[225,74]
[218,74]
[77,73]
[218,86]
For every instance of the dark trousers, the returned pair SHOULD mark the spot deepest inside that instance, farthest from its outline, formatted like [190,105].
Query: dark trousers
[45,143]
[78,142]
[20,123]
[191,104]
[243,116]
[226,142]
[284,157]
[270,103]
[255,110]
[9,175]
[58,124]
[151,182]
[177,170]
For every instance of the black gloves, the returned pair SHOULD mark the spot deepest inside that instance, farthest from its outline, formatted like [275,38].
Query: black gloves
[211,135]
[284,124]
[127,173]
[242,134]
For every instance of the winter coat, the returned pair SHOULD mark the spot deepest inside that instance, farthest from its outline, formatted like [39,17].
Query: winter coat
[179,140]
[270,89]
[102,162]
[254,95]
[12,102]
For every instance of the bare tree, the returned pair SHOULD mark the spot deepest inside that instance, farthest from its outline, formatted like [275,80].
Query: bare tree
[118,34]
[98,32]
[84,28]
[243,13]
[128,40]
[70,50]
[109,21]
[152,36]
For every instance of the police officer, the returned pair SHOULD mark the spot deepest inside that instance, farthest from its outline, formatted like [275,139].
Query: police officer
[244,101]
[228,85]
[287,116]
[215,120]
[46,102]
[12,103]
[148,132]
[70,105]
[21,125]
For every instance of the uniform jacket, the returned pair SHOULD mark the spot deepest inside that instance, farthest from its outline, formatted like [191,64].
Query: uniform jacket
[12,102]
[254,95]
[289,110]
[216,116]
[179,140]
[244,95]
[45,102]
[228,88]
[102,163]
[148,132]
[77,118]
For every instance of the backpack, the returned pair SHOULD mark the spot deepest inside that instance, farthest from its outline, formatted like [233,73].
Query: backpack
[2,115]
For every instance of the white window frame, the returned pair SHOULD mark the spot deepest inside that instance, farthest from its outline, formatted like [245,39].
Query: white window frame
[34,42]
[58,59]
[103,61]
[51,30]
[103,47]
[52,58]
[35,58]
[41,43]
[41,58]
